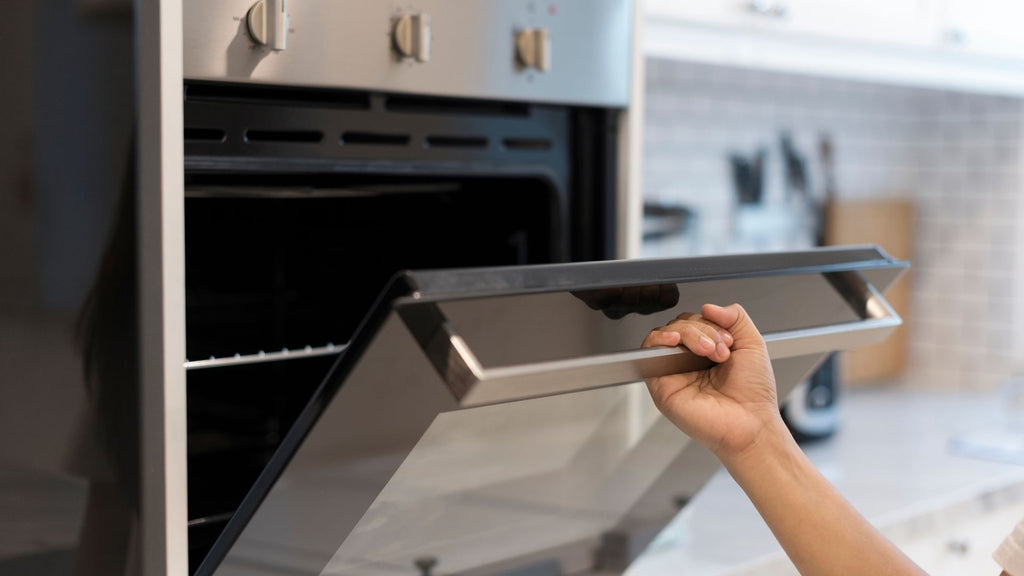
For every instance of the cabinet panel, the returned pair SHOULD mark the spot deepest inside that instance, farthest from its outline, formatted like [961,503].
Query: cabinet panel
[714,12]
[889,21]
[985,27]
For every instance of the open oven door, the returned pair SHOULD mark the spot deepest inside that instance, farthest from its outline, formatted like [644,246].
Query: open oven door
[492,421]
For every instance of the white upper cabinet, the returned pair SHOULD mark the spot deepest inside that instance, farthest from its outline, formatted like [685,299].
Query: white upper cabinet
[984,27]
[895,21]
[714,12]
[972,45]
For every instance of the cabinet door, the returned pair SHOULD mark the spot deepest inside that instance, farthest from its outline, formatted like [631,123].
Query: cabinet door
[988,27]
[889,21]
[730,13]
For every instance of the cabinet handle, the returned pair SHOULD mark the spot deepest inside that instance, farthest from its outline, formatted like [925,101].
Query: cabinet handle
[958,547]
[768,8]
[956,37]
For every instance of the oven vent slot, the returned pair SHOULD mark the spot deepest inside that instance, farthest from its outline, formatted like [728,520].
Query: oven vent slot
[374,139]
[270,95]
[527,144]
[204,135]
[288,136]
[456,142]
[414,105]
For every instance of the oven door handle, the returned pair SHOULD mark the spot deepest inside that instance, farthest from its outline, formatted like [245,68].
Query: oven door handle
[474,385]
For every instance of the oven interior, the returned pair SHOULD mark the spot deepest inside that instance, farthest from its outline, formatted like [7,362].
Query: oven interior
[301,204]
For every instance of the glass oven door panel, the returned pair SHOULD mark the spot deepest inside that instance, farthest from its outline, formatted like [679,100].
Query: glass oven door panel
[493,419]
[556,471]
[564,325]
[279,268]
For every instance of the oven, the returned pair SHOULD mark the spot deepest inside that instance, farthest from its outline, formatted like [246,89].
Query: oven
[301,204]
[491,421]
[330,144]
[408,349]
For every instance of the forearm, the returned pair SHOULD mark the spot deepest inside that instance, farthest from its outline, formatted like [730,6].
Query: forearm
[819,530]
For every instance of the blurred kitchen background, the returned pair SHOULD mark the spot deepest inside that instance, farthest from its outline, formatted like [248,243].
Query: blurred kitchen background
[904,123]
[942,168]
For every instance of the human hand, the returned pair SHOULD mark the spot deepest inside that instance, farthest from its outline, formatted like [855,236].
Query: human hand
[731,406]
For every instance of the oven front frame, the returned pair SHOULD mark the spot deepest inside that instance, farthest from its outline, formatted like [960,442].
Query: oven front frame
[159,75]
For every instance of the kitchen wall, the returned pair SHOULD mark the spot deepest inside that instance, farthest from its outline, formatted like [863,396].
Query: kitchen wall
[959,157]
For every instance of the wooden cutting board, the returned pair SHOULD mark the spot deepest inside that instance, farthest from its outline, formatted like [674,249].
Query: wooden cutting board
[888,223]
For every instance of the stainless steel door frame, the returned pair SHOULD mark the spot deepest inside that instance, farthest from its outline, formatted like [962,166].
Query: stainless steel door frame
[416,373]
[474,385]
[348,44]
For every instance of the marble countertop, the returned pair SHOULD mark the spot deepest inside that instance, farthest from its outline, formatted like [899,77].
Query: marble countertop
[891,459]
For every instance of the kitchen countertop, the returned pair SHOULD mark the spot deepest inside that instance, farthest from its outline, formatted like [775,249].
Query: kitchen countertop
[890,459]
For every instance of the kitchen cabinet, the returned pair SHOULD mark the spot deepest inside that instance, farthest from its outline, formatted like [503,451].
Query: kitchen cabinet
[893,464]
[964,543]
[984,27]
[967,45]
[715,12]
[896,21]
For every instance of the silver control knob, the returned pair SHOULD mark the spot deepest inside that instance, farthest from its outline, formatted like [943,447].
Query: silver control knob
[268,23]
[411,36]
[533,49]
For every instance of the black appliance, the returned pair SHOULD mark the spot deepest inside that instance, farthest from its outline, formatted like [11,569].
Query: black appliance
[301,204]
[330,145]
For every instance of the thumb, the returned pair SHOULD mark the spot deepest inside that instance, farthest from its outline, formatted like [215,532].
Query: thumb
[736,320]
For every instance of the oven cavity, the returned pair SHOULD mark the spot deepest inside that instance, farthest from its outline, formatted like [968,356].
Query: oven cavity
[301,204]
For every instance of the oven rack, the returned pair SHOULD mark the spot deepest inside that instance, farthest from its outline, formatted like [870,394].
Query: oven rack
[263,356]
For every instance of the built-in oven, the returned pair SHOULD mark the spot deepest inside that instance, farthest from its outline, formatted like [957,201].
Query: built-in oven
[492,421]
[330,144]
[348,416]
[301,204]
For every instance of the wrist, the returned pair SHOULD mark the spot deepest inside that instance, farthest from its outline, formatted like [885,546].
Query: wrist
[773,442]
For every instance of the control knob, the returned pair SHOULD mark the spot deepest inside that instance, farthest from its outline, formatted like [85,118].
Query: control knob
[533,49]
[268,23]
[411,36]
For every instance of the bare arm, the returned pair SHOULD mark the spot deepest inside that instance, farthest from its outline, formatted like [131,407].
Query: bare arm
[732,409]
[819,530]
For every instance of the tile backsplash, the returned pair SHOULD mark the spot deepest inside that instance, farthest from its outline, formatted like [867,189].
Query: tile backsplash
[957,156]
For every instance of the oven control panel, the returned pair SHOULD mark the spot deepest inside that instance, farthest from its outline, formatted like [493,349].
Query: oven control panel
[411,36]
[533,49]
[558,51]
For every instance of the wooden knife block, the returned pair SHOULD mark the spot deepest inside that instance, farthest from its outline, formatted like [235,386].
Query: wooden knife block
[888,223]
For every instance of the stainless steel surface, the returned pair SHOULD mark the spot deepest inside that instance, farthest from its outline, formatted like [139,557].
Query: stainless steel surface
[475,385]
[263,356]
[386,405]
[412,36]
[533,49]
[405,462]
[267,23]
[472,52]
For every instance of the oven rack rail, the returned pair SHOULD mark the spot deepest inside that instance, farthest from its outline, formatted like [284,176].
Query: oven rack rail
[263,356]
